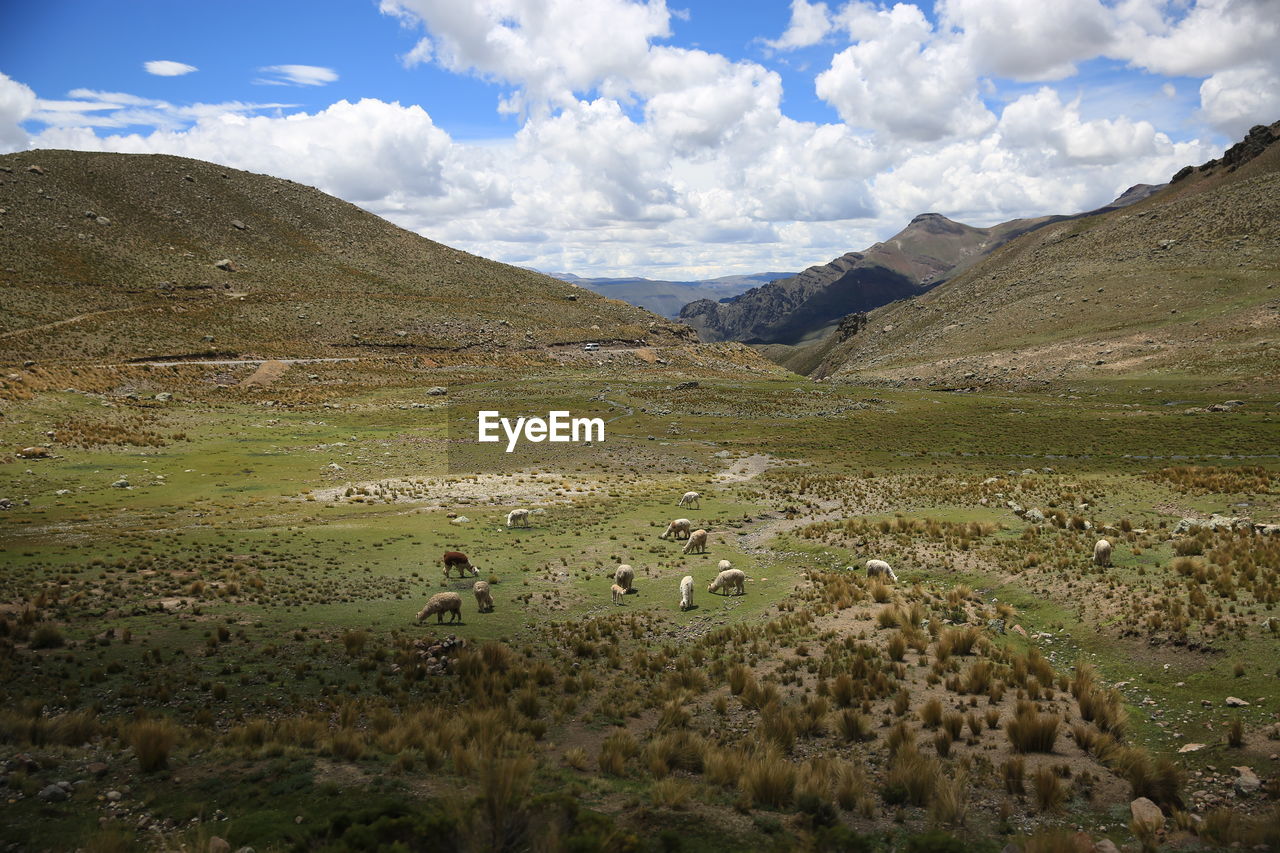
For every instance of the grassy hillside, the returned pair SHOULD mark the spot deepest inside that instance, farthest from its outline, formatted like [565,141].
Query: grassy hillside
[118,256]
[1184,285]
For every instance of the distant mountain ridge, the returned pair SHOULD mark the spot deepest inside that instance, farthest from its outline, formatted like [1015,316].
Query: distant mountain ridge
[792,310]
[1183,283]
[666,298]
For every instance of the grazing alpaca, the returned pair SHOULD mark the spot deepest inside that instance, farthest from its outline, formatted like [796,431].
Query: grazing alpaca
[484,598]
[518,516]
[686,592]
[1102,553]
[624,576]
[442,603]
[733,579]
[692,499]
[675,528]
[724,564]
[880,569]
[458,560]
[618,593]
[697,543]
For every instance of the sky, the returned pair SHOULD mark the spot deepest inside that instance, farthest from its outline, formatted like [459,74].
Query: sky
[680,140]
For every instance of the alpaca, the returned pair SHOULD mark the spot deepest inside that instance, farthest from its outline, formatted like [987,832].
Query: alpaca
[880,569]
[518,517]
[458,560]
[697,542]
[692,499]
[442,603]
[624,577]
[675,528]
[484,598]
[686,592]
[733,579]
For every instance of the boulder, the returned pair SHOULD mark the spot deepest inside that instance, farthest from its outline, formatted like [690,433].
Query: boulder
[1147,813]
[1235,702]
[1246,782]
[437,391]
[1034,516]
[226,265]
[53,794]
[217,845]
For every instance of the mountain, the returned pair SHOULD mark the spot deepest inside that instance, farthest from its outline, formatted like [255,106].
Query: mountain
[808,305]
[128,256]
[668,297]
[1182,285]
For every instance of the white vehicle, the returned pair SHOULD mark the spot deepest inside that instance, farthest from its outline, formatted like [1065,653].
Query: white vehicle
[590,347]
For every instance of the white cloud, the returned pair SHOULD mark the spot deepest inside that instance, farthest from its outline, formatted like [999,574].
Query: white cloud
[549,49]
[1235,100]
[810,24]
[296,75]
[168,68]
[1028,41]
[900,79]
[17,103]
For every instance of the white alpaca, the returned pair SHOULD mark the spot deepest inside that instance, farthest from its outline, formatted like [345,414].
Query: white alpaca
[624,576]
[518,516]
[697,542]
[484,598]
[675,528]
[733,579]
[1102,553]
[692,499]
[618,593]
[686,592]
[725,565]
[880,569]
[442,603]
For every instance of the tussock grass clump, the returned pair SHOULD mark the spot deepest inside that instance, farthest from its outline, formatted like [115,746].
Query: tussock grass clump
[1049,791]
[152,740]
[931,713]
[1014,772]
[677,750]
[912,778]
[616,750]
[1031,731]
[769,780]
[671,793]
[1159,780]
[958,641]
[950,803]
[854,726]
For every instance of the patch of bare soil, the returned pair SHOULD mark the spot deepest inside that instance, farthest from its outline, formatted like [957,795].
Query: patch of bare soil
[267,373]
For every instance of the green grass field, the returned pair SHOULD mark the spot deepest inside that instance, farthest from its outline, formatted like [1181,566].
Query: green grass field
[254,587]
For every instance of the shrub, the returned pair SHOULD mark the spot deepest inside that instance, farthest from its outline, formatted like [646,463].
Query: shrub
[46,636]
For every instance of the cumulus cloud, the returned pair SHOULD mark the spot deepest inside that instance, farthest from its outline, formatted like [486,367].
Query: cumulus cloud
[550,50]
[168,68]
[810,23]
[1028,41]
[900,78]
[17,103]
[296,75]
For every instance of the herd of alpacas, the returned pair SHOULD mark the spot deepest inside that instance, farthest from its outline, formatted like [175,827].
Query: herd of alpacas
[729,581]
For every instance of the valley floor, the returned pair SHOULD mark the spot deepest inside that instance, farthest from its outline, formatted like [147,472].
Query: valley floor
[208,596]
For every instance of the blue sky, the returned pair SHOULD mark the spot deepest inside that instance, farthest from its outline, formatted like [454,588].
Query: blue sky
[621,137]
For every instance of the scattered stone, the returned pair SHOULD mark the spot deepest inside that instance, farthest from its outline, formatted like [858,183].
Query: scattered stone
[237,224]
[163,397]
[1234,702]
[1246,782]
[53,794]
[34,453]
[218,845]
[996,626]
[462,519]
[437,391]
[1146,812]
[1034,515]
[102,220]
[1019,630]
[122,483]
[1106,845]
[35,170]
[114,796]
[1191,747]
[227,265]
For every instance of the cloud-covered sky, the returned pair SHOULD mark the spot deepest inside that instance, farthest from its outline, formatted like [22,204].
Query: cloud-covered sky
[621,137]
